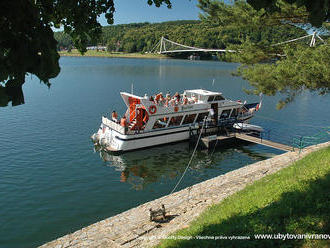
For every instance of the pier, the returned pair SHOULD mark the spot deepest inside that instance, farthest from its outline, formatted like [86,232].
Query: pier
[214,140]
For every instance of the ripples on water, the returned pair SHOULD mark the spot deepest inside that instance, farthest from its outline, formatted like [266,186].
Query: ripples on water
[52,182]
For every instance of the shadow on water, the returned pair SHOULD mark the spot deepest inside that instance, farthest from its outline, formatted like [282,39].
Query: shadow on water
[143,167]
[296,212]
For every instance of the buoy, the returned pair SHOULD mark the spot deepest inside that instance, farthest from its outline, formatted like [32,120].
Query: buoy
[152,109]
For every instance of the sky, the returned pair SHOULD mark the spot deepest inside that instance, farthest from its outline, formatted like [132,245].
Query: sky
[134,11]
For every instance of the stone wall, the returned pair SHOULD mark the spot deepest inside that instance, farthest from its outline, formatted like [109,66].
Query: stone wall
[132,228]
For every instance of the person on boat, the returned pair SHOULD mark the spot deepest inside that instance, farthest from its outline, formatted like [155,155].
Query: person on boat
[145,119]
[162,100]
[212,114]
[159,97]
[114,116]
[185,100]
[195,99]
[167,99]
[177,97]
[172,102]
[151,99]
[123,121]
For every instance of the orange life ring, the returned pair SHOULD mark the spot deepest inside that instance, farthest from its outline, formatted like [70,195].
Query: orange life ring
[176,109]
[152,109]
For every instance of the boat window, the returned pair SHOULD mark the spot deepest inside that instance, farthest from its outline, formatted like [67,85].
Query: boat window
[211,99]
[175,121]
[225,114]
[201,116]
[218,98]
[189,119]
[188,94]
[235,113]
[160,123]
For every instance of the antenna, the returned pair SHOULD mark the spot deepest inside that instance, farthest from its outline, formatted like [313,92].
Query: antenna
[213,82]
[132,88]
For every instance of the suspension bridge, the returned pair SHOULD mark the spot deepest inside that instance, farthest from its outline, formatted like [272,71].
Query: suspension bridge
[166,46]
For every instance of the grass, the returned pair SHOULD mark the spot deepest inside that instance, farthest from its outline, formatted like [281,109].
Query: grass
[94,53]
[295,200]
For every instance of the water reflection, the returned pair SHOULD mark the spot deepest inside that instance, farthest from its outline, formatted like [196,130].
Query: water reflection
[159,164]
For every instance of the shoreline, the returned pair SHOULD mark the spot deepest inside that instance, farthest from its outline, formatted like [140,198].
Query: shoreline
[103,54]
[132,228]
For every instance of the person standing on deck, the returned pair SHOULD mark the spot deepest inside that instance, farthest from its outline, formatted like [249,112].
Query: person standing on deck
[114,116]
[123,121]
[212,114]
[159,97]
[185,100]
[167,99]
[177,98]
[195,99]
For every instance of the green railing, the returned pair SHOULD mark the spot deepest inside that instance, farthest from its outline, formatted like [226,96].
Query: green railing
[302,142]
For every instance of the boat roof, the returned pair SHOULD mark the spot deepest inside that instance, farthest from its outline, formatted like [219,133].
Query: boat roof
[203,92]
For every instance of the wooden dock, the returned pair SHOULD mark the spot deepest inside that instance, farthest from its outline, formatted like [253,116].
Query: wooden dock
[264,142]
[214,139]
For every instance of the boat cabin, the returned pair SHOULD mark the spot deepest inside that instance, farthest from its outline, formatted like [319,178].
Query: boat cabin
[204,95]
[159,111]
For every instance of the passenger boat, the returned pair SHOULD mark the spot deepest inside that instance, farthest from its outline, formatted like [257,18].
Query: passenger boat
[156,122]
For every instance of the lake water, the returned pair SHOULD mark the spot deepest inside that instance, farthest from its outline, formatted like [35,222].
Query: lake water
[52,182]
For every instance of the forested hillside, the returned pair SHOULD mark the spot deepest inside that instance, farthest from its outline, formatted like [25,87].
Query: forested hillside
[142,37]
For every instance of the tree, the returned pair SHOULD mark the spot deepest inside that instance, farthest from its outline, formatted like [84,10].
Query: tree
[313,11]
[27,43]
[298,68]
[318,11]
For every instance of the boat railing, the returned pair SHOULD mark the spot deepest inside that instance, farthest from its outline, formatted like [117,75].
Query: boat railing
[113,125]
[244,114]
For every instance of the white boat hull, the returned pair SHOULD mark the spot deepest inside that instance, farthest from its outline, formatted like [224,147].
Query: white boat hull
[117,142]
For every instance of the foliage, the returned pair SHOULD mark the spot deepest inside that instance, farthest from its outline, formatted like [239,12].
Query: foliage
[295,200]
[64,40]
[317,11]
[243,14]
[27,43]
[302,68]
[271,69]
[142,37]
[265,11]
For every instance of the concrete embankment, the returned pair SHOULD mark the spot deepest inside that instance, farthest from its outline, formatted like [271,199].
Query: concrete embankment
[133,228]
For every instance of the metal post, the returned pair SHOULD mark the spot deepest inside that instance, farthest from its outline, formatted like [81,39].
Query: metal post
[312,44]
[161,44]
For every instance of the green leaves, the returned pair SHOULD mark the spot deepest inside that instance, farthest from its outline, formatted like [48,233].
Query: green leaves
[272,69]
[304,68]
[27,43]
[317,11]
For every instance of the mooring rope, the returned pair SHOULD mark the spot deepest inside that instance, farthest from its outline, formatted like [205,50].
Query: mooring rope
[199,137]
